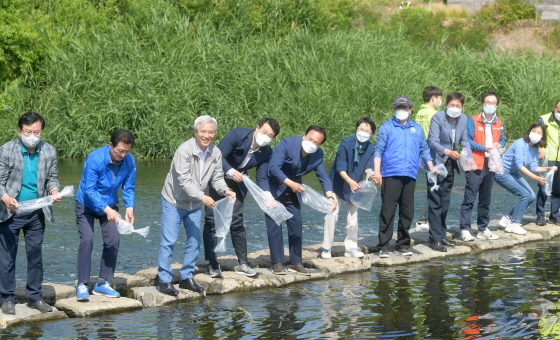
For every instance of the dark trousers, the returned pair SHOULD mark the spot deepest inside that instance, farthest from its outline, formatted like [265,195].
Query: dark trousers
[396,190]
[237,229]
[33,226]
[438,201]
[274,231]
[478,182]
[85,219]
[554,201]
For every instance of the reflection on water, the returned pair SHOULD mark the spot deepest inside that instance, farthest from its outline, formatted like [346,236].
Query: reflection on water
[498,295]
[510,294]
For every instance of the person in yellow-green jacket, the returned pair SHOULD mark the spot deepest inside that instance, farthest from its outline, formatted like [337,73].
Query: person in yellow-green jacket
[432,101]
[552,122]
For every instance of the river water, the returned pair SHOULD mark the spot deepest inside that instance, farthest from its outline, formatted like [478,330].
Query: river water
[497,295]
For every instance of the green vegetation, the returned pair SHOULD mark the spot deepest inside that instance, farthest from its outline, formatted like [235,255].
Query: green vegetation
[505,12]
[154,67]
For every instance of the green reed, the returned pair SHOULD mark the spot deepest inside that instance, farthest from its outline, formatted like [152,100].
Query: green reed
[156,78]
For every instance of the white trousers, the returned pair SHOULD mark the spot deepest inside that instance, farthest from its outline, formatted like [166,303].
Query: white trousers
[351,240]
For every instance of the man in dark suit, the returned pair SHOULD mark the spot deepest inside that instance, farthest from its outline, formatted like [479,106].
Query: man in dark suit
[448,129]
[293,158]
[242,149]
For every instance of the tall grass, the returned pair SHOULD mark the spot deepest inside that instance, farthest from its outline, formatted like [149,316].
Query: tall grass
[157,78]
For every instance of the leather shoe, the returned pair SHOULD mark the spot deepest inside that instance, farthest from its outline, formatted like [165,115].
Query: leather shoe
[168,289]
[448,243]
[437,246]
[41,306]
[299,268]
[190,285]
[278,269]
[9,307]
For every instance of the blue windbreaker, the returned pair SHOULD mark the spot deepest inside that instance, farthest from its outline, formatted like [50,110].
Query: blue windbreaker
[98,189]
[400,148]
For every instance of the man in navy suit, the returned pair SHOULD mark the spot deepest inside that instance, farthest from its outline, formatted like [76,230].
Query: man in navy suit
[242,149]
[293,158]
[448,129]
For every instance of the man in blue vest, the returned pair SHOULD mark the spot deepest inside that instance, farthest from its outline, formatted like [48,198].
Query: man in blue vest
[242,149]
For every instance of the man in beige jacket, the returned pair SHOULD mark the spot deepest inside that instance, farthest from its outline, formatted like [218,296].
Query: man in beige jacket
[196,163]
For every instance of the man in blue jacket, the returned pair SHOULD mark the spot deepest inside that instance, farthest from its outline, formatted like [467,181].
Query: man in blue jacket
[400,144]
[105,170]
[293,158]
[354,158]
[242,149]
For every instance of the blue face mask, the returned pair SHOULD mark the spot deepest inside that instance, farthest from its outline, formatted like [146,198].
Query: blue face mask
[489,109]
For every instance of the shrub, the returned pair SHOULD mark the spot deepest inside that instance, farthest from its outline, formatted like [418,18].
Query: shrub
[503,13]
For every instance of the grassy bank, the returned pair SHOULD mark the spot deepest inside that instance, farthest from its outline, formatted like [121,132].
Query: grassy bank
[156,78]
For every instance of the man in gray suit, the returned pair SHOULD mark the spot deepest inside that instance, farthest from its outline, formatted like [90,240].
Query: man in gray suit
[447,130]
[28,170]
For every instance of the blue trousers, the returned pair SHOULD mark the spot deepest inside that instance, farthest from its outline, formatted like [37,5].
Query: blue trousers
[479,182]
[33,226]
[171,218]
[554,201]
[85,219]
[276,240]
[517,185]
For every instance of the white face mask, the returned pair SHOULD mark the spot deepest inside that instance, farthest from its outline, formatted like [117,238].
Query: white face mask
[401,114]
[489,109]
[362,136]
[453,112]
[308,146]
[30,141]
[534,137]
[557,115]
[262,140]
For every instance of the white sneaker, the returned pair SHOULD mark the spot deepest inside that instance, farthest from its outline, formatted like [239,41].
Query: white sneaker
[466,236]
[487,235]
[422,227]
[505,221]
[515,228]
[326,254]
[353,253]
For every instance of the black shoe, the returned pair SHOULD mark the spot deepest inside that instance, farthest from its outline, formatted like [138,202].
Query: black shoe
[41,306]
[552,220]
[168,289]
[190,285]
[9,307]
[540,221]
[437,246]
[448,243]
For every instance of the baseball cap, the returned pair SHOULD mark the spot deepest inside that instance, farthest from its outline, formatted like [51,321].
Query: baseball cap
[402,100]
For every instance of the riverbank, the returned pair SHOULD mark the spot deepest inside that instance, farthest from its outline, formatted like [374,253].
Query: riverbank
[139,290]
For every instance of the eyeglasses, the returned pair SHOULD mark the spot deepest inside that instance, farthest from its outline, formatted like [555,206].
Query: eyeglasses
[364,130]
[490,103]
[28,132]
[122,152]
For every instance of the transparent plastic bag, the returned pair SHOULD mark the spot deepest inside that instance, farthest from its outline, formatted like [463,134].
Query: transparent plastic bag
[316,200]
[432,178]
[495,161]
[466,161]
[266,202]
[222,221]
[125,227]
[38,203]
[549,179]
[363,198]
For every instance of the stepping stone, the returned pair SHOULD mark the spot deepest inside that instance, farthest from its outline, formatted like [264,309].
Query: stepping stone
[25,315]
[97,305]
[52,292]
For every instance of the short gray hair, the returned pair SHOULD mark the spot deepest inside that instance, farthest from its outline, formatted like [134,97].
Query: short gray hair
[206,119]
